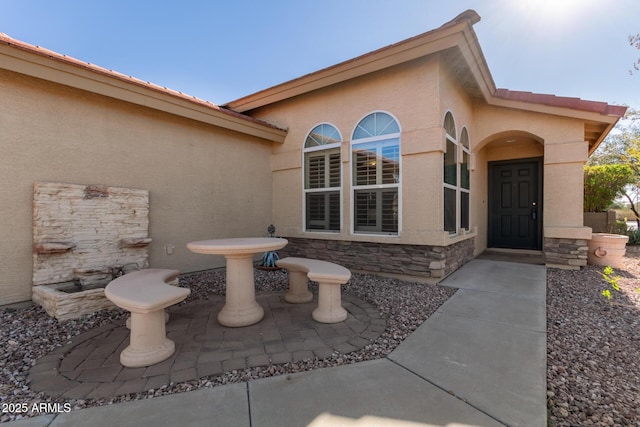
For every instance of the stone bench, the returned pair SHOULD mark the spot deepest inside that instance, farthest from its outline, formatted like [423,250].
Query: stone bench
[146,294]
[329,277]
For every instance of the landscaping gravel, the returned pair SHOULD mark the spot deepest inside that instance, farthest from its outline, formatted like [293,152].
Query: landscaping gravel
[28,334]
[593,347]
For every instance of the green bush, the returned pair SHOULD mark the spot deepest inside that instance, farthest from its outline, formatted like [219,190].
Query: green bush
[621,228]
[634,237]
[602,183]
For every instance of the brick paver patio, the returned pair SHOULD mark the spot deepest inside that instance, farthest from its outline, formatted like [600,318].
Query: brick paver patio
[89,366]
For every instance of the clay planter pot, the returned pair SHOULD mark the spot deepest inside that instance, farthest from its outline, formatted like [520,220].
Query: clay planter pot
[607,249]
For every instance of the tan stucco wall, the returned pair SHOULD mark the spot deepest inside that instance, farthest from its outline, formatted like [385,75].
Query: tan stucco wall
[454,98]
[408,92]
[479,197]
[564,189]
[418,94]
[204,182]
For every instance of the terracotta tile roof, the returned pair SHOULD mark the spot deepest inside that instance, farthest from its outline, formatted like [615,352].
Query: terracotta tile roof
[38,50]
[562,102]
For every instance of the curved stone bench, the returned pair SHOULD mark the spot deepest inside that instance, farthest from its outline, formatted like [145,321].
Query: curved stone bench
[329,277]
[146,294]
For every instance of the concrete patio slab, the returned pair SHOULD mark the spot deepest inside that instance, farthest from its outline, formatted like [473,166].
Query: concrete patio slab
[505,277]
[226,406]
[515,311]
[499,369]
[376,388]
[487,343]
[40,421]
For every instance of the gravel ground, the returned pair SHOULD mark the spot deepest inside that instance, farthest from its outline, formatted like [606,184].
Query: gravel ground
[593,347]
[28,334]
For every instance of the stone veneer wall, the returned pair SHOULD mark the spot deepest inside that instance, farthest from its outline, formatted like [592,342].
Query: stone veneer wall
[82,232]
[565,253]
[411,260]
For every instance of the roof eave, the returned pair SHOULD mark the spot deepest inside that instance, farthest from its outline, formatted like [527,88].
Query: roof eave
[593,147]
[588,111]
[605,117]
[37,62]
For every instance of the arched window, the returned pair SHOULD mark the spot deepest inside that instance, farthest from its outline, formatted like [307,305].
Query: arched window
[450,175]
[376,174]
[322,176]
[465,180]
[457,178]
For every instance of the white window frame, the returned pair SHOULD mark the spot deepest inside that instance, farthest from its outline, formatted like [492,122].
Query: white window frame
[353,188]
[463,150]
[305,191]
[453,140]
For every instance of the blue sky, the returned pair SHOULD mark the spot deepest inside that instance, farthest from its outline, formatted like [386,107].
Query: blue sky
[223,50]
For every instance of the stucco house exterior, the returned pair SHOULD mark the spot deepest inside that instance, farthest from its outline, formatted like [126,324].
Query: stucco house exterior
[404,161]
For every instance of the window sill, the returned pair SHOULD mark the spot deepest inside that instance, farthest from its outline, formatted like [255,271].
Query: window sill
[463,234]
[374,234]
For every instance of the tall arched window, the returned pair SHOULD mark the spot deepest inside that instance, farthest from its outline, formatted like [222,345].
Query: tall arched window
[376,174]
[322,176]
[465,180]
[450,175]
[457,178]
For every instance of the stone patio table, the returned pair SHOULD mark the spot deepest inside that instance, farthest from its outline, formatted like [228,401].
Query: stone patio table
[241,307]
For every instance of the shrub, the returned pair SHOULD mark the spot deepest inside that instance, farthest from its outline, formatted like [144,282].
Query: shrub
[621,228]
[608,276]
[602,183]
[634,237]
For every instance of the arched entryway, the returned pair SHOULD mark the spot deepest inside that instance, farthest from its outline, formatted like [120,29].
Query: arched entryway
[512,164]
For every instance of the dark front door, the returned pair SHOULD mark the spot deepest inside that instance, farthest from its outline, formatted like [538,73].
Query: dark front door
[515,210]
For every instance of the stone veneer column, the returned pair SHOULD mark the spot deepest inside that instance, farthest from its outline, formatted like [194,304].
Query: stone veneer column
[565,253]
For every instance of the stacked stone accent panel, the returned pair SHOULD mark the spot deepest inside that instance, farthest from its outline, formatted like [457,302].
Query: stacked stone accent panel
[410,260]
[86,234]
[565,253]
[63,305]
[86,230]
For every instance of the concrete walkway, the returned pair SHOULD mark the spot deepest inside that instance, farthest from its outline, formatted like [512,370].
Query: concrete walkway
[480,360]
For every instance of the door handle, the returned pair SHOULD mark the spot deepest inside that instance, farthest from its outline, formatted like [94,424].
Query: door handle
[534,212]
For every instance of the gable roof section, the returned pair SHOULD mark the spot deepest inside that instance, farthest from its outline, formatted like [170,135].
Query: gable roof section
[35,61]
[457,42]
[449,35]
